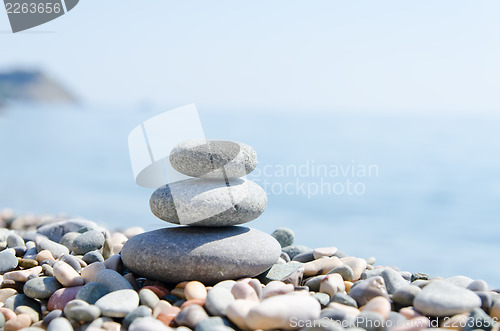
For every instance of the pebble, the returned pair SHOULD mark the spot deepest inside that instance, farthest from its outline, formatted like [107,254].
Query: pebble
[55,231]
[66,275]
[148,298]
[379,305]
[91,292]
[213,158]
[214,202]
[369,321]
[141,311]
[93,256]
[57,250]
[290,272]
[112,280]
[460,281]
[60,324]
[41,287]
[8,262]
[89,273]
[276,288]
[344,299]
[284,236]
[323,298]
[28,263]
[208,255]
[44,255]
[195,290]
[61,297]
[304,257]
[218,300]
[83,314]
[114,262]
[17,323]
[148,324]
[314,282]
[6,293]
[72,261]
[441,298]
[238,310]
[22,300]
[47,270]
[51,316]
[324,251]
[357,265]
[279,312]
[191,316]
[332,284]
[14,240]
[33,314]
[118,303]
[405,295]
[367,289]
[294,250]
[393,280]
[478,286]
[345,271]
[22,275]
[67,239]
[87,241]
[214,323]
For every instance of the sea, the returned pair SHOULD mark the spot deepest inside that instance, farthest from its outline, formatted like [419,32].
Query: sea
[417,191]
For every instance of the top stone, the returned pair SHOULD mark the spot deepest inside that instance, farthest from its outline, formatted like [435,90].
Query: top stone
[213,158]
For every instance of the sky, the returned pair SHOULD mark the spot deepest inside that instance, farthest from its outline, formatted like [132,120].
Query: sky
[281,55]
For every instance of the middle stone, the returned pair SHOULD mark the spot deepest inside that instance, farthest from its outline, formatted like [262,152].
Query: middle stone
[209,202]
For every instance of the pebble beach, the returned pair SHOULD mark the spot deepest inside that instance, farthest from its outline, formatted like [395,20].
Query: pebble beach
[208,272]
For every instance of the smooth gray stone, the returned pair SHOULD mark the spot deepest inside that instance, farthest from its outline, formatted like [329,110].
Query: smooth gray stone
[60,324]
[56,249]
[440,298]
[486,300]
[282,272]
[55,231]
[87,241]
[365,290]
[84,314]
[405,295]
[314,282]
[460,281]
[50,316]
[41,287]
[295,250]
[30,253]
[91,292]
[141,311]
[14,240]
[372,273]
[208,255]
[67,239]
[393,280]
[218,203]
[191,316]
[72,261]
[323,298]
[304,257]
[218,299]
[343,270]
[284,236]
[213,158]
[478,320]
[118,303]
[8,261]
[344,299]
[4,233]
[112,280]
[478,286]
[92,256]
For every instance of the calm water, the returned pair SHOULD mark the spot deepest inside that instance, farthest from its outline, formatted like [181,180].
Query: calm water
[425,193]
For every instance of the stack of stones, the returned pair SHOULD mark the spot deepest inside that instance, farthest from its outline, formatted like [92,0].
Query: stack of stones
[210,248]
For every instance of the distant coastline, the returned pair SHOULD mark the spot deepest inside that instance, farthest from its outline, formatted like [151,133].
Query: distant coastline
[32,86]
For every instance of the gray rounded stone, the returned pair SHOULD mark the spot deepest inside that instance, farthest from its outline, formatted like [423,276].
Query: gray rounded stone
[92,256]
[56,249]
[440,298]
[41,287]
[91,292]
[14,240]
[112,280]
[84,314]
[55,231]
[393,280]
[295,250]
[148,298]
[405,295]
[284,236]
[218,299]
[118,303]
[345,271]
[205,202]
[72,261]
[87,241]
[213,158]
[141,311]
[67,239]
[51,316]
[208,255]
[8,262]
[344,299]
[365,290]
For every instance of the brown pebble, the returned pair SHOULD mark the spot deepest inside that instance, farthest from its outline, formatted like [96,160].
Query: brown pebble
[178,292]
[159,290]
[28,263]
